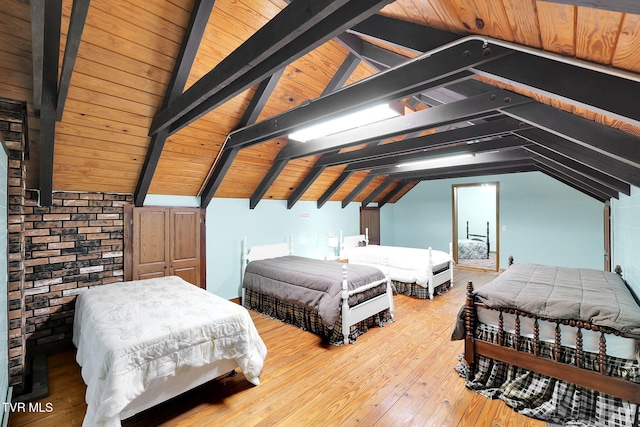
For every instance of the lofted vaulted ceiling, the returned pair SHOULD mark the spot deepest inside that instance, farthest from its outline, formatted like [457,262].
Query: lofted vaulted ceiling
[198,98]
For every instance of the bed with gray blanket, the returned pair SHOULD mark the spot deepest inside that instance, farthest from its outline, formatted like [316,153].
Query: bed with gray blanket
[558,344]
[333,300]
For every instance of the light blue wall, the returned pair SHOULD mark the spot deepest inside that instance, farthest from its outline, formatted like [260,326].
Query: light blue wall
[626,237]
[546,221]
[230,220]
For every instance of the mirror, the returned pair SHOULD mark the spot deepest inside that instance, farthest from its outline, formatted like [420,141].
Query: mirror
[475,225]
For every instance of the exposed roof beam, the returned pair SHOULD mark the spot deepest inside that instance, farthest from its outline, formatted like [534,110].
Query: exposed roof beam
[37,51]
[336,82]
[266,182]
[480,160]
[316,171]
[188,50]
[333,188]
[475,107]
[626,6]
[358,189]
[580,168]
[594,159]
[558,176]
[506,142]
[396,190]
[299,28]
[497,168]
[375,193]
[260,98]
[587,133]
[484,130]
[402,34]
[438,69]
[222,165]
[616,96]
[74,35]
[579,180]
[50,62]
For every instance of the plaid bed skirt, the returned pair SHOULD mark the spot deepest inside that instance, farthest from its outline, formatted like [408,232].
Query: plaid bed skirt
[550,399]
[308,319]
[415,290]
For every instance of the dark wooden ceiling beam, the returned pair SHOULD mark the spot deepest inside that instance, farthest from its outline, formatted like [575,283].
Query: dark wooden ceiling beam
[336,82]
[181,69]
[498,168]
[588,134]
[78,17]
[616,96]
[501,143]
[333,188]
[357,190]
[37,51]
[401,186]
[50,63]
[438,69]
[296,30]
[608,180]
[563,179]
[377,191]
[579,180]
[479,161]
[220,169]
[625,6]
[597,160]
[483,105]
[488,129]
[403,34]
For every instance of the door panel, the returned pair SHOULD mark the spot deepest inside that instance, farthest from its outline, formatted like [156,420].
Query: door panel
[149,248]
[185,239]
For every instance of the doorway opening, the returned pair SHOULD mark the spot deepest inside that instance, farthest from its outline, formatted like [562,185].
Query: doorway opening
[475,225]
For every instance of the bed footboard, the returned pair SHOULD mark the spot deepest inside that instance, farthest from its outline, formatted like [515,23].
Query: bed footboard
[552,367]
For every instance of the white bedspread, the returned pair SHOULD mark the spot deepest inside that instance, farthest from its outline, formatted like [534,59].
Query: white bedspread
[408,265]
[130,332]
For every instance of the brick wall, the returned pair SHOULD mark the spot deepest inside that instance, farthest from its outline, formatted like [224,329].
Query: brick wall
[77,242]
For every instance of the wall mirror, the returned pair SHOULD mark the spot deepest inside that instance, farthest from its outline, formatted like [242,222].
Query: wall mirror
[475,225]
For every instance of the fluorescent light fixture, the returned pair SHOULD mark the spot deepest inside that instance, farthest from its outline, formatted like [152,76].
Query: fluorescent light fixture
[434,160]
[349,121]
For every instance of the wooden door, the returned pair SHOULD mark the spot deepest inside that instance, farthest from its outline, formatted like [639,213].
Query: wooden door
[370,218]
[185,244]
[150,243]
[163,241]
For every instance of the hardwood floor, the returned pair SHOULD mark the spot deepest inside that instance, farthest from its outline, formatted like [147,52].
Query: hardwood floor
[399,375]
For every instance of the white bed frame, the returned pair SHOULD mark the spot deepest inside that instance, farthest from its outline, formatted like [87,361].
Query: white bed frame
[435,280]
[165,388]
[350,315]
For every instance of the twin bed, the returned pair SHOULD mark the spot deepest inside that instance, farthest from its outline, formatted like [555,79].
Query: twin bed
[416,272]
[559,344]
[475,246]
[332,300]
[143,342]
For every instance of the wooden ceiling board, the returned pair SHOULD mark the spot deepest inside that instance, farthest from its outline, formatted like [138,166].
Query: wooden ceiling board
[597,34]
[523,18]
[486,17]
[626,56]
[557,27]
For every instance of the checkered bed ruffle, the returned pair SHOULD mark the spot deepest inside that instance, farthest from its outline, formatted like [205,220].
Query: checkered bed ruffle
[420,292]
[550,399]
[308,319]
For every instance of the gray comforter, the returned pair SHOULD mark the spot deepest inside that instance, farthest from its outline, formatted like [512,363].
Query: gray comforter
[599,297]
[309,282]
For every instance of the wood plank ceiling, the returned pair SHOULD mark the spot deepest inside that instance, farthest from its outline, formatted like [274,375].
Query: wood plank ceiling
[197,97]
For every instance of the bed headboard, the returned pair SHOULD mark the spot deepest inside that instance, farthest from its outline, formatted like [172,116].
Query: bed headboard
[347,242]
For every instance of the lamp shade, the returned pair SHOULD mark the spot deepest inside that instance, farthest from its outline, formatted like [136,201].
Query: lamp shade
[332,242]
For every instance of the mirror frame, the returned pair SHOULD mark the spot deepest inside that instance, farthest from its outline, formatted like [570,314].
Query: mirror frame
[454,198]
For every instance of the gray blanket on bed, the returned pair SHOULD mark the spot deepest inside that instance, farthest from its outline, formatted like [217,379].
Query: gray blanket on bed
[313,283]
[599,297]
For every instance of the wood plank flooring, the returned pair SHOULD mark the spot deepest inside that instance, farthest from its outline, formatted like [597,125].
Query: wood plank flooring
[399,375]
